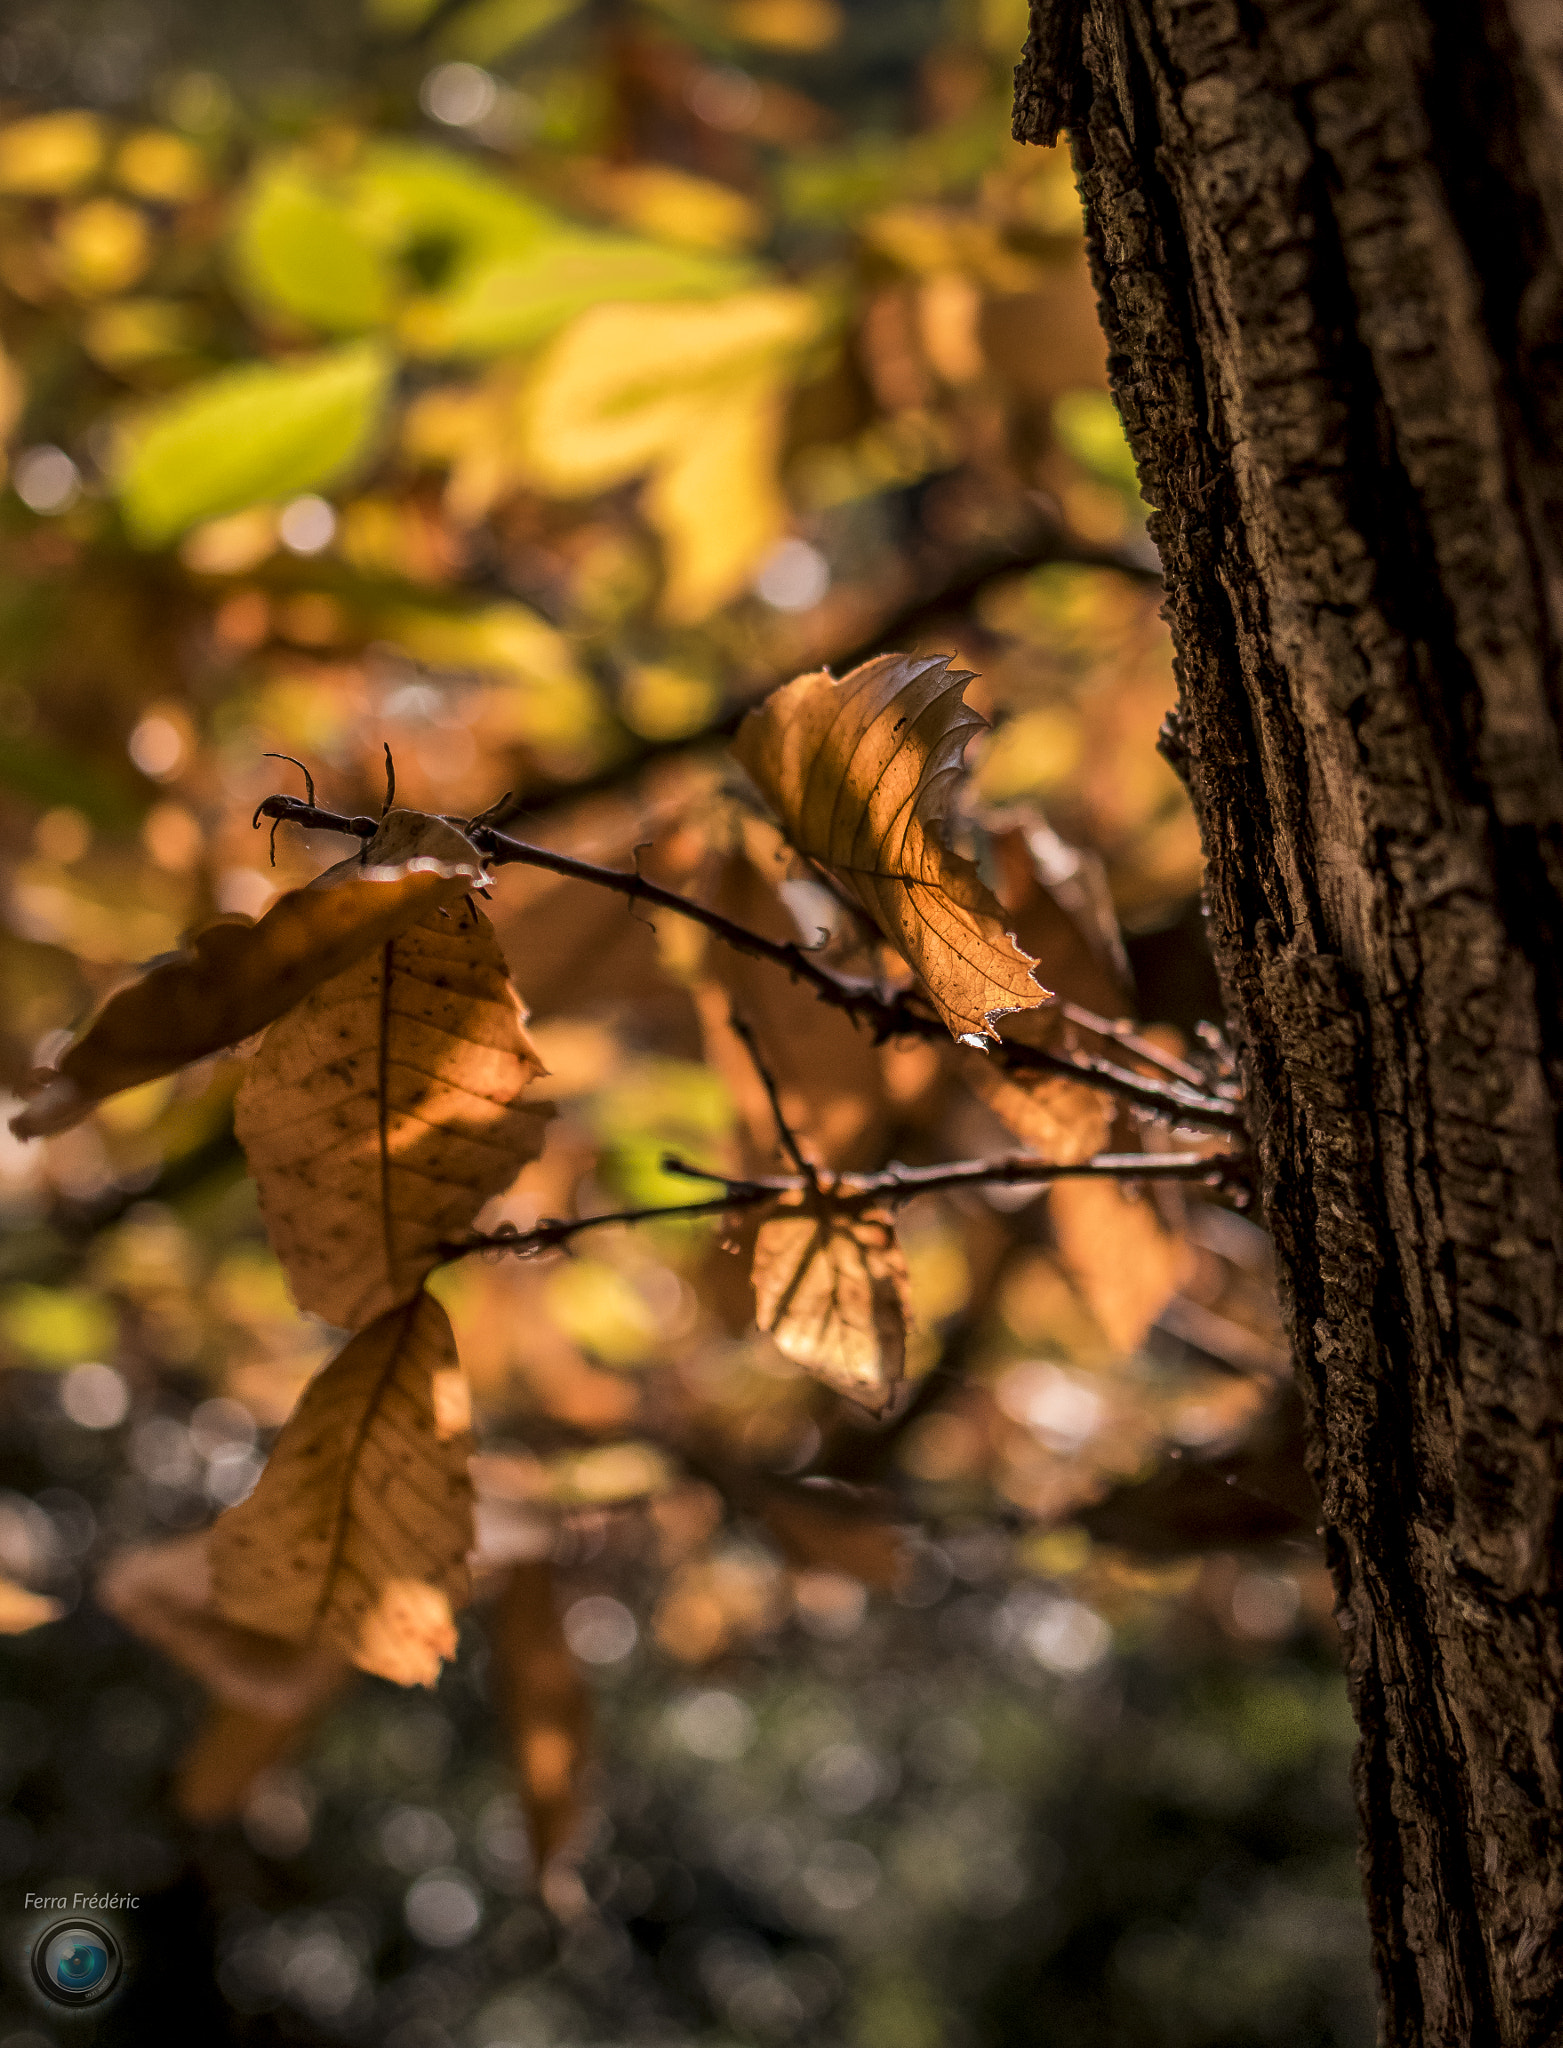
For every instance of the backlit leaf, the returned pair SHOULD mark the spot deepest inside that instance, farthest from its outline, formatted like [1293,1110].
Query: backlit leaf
[1061,1120]
[298,252]
[1120,1252]
[248,436]
[233,977]
[163,1592]
[861,774]
[516,300]
[832,1291]
[357,1533]
[383,1111]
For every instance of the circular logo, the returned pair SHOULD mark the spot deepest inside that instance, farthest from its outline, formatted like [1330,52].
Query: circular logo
[76,1962]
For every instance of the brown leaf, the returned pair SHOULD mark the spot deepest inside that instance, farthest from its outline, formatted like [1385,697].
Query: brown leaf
[383,1112]
[832,1290]
[231,1749]
[820,1533]
[21,1610]
[163,1592]
[358,1532]
[233,977]
[546,1704]
[1120,1253]
[1061,1120]
[861,773]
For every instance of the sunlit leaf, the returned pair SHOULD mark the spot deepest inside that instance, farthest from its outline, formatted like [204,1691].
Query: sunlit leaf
[861,774]
[383,1111]
[486,29]
[163,1592]
[21,1610]
[248,436]
[358,1531]
[1120,1252]
[297,252]
[800,25]
[1061,1120]
[546,1705]
[516,301]
[233,977]
[50,153]
[832,1290]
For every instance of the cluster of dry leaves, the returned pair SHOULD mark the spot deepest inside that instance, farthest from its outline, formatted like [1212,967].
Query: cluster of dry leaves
[395,1092]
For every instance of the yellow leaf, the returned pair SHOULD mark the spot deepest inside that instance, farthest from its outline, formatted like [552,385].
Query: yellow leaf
[382,1112]
[832,1290]
[861,773]
[679,208]
[21,1610]
[626,386]
[232,977]
[358,1531]
[802,25]
[51,153]
[717,505]
[101,246]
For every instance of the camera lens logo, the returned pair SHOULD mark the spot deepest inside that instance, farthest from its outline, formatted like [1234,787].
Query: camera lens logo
[76,1962]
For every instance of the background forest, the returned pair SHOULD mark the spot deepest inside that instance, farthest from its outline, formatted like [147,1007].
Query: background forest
[528,387]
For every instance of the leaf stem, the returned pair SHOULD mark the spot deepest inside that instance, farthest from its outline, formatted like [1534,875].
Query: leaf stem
[895,1016]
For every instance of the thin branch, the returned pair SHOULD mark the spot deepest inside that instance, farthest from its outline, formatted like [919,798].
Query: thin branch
[897,1016]
[847,1193]
[788,1136]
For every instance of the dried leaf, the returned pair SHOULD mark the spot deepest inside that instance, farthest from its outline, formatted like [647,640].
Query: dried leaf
[832,1291]
[1061,1120]
[163,1592]
[231,1749]
[546,1704]
[233,976]
[21,1610]
[819,1532]
[358,1531]
[382,1112]
[861,773]
[1120,1253]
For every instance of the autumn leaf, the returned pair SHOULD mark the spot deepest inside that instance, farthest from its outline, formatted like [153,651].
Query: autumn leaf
[233,977]
[358,1531]
[230,1750]
[546,1705]
[816,1532]
[21,1610]
[163,1593]
[1061,1120]
[1121,1254]
[861,773]
[831,1288]
[382,1112]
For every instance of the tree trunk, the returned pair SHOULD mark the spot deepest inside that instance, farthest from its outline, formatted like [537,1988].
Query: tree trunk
[1326,237]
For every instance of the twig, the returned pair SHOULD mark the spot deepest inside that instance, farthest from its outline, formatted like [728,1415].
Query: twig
[788,1136]
[897,1016]
[848,1193]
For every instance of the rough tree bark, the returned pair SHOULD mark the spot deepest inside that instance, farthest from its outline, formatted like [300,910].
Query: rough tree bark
[1327,238]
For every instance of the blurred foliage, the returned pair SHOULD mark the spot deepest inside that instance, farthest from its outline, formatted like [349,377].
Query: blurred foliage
[529,385]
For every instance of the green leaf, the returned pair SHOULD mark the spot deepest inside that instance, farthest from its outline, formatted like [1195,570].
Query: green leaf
[342,250]
[490,28]
[249,436]
[519,301]
[299,251]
